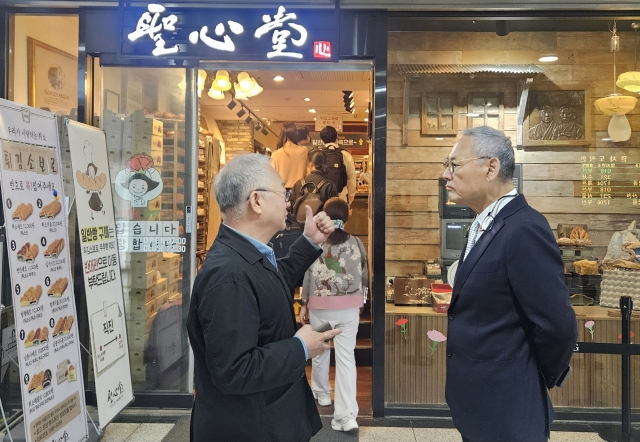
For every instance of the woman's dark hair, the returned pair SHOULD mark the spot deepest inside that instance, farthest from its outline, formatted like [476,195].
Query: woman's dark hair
[95,169]
[337,208]
[318,159]
[303,133]
[289,132]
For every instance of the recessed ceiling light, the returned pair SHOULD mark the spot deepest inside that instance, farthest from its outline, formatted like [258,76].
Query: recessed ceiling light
[313,111]
[307,99]
[548,58]
[366,119]
[264,118]
[314,118]
[439,139]
[472,114]
[278,78]
[366,110]
[606,139]
[256,110]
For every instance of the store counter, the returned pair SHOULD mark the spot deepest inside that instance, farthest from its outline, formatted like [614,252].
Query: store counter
[415,368]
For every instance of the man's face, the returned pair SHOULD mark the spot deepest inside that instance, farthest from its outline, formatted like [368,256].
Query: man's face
[546,114]
[275,208]
[468,183]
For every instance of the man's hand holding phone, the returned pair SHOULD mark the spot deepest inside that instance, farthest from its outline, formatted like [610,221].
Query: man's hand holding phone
[317,341]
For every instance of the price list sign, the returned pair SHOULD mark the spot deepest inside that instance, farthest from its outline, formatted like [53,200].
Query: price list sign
[609,177]
[47,339]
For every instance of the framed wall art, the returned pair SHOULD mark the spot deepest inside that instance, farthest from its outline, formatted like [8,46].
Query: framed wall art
[557,116]
[53,77]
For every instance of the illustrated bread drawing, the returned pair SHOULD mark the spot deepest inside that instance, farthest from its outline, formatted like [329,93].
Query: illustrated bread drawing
[51,210]
[67,325]
[58,287]
[22,212]
[29,341]
[36,382]
[54,249]
[59,325]
[28,252]
[44,335]
[31,296]
[36,337]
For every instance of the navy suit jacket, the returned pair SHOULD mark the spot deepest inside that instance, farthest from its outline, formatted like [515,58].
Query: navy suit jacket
[511,332]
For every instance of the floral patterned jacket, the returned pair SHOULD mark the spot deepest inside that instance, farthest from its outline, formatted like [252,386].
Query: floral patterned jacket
[337,279]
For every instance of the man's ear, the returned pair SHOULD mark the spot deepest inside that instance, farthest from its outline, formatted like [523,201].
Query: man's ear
[256,205]
[493,169]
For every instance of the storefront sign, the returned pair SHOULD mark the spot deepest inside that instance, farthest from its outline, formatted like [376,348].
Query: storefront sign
[344,140]
[150,236]
[48,345]
[100,261]
[273,34]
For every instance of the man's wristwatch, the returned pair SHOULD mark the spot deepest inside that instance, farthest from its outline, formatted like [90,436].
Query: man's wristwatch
[303,302]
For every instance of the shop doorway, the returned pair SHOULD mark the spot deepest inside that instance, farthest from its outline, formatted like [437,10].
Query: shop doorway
[311,98]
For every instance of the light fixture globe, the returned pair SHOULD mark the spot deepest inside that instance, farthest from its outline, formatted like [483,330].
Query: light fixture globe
[256,89]
[619,128]
[202,76]
[222,82]
[245,82]
[215,94]
[615,104]
[238,92]
[629,81]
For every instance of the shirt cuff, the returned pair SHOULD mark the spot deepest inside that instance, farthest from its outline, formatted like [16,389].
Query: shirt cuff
[312,243]
[306,352]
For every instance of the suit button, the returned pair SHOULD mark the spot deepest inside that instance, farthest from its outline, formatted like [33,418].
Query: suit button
[302,375]
[451,316]
[449,354]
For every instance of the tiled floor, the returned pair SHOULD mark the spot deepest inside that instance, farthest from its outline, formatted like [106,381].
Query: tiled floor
[156,432]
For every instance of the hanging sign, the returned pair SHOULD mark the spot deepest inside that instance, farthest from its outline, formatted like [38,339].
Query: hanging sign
[100,261]
[334,120]
[48,344]
[280,33]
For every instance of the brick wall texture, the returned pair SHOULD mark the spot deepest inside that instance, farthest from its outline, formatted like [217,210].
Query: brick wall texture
[237,136]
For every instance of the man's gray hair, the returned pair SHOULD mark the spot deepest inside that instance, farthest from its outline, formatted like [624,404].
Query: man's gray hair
[492,143]
[237,180]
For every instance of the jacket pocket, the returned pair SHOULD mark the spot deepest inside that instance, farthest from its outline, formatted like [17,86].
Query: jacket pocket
[486,267]
[285,419]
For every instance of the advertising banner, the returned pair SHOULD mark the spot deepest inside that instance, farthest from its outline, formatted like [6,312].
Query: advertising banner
[100,261]
[48,345]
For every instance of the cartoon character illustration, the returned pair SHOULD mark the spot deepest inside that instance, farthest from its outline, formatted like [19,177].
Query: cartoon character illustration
[140,182]
[91,181]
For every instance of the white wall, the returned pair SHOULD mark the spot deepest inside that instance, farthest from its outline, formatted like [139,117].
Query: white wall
[54,30]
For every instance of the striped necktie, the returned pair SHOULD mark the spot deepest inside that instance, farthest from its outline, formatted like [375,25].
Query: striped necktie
[473,233]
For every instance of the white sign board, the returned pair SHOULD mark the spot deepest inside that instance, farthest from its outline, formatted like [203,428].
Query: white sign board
[323,120]
[38,246]
[100,261]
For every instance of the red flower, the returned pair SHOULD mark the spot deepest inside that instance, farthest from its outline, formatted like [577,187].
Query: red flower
[402,321]
[140,162]
[631,335]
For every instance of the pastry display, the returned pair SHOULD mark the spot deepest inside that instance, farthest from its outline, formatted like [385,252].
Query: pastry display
[67,325]
[58,287]
[54,249]
[28,252]
[51,210]
[57,330]
[36,383]
[22,212]
[565,241]
[31,296]
[586,267]
[579,233]
[29,341]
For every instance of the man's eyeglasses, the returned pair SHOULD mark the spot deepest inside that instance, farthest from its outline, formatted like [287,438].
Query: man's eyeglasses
[448,164]
[286,194]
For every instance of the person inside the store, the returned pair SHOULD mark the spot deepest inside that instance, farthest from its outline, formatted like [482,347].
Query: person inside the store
[303,137]
[289,159]
[511,329]
[250,381]
[345,178]
[333,291]
[315,181]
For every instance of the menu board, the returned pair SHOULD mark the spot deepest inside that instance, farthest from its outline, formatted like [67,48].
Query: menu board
[608,176]
[100,261]
[48,345]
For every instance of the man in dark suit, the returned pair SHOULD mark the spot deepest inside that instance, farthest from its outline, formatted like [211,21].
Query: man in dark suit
[249,360]
[511,328]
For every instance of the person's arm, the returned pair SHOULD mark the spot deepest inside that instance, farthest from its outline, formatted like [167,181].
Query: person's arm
[302,254]
[230,320]
[364,262]
[536,275]
[351,176]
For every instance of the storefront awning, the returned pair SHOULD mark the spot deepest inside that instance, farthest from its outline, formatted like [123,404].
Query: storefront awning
[418,69]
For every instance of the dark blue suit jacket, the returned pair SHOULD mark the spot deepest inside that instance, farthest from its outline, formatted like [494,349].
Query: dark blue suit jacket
[511,330]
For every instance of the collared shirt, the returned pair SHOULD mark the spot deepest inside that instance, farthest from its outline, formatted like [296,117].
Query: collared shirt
[268,253]
[485,218]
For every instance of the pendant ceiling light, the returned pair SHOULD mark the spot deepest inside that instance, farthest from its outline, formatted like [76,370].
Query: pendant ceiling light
[256,89]
[238,92]
[616,105]
[215,94]
[221,82]
[630,81]
[245,82]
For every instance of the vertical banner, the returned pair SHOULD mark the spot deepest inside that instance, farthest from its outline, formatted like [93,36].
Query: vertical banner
[48,344]
[100,261]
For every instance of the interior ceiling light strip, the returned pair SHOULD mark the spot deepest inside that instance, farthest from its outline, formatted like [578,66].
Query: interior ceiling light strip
[469,69]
